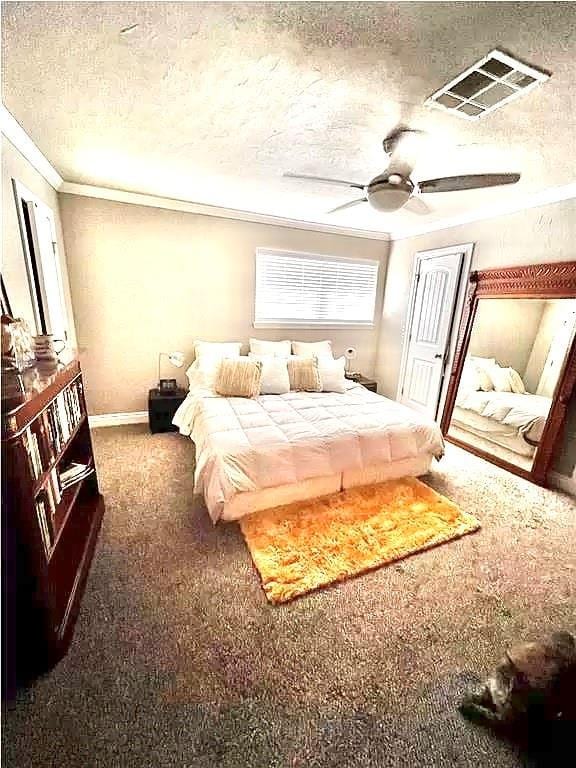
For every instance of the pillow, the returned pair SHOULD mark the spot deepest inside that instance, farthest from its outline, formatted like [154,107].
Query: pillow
[483,362]
[273,348]
[319,349]
[470,380]
[516,382]
[485,379]
[332,374]
[238,377]
[201,376]
[275,379]
[215,350]
[500,378]
[304,374]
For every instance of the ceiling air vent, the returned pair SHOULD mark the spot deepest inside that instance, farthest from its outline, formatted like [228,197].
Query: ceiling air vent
[487,85]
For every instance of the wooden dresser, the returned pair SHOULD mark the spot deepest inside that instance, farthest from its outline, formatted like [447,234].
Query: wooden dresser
[51,515]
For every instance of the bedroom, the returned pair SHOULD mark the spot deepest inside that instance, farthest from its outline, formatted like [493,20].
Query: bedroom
[157,135]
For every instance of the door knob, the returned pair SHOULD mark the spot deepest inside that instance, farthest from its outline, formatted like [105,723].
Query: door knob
[438,356]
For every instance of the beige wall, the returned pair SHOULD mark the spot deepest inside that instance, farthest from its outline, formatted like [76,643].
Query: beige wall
[15,166]
[505,329]
[545,234]
[146,280]
[552,318]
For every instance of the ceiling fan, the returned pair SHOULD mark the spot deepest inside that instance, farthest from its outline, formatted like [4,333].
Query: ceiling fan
[394,189]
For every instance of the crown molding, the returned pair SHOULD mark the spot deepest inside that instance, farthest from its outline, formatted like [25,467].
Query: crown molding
[14,132]
[171,204]
[535,200]
[17,136]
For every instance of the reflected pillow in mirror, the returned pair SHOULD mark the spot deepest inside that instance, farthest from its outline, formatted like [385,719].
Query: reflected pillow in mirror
[470,379]
[486,383]
[483,362]
[516,382]
[500,378]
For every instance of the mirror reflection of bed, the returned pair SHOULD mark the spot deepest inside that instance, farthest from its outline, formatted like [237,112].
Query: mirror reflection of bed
[517,352]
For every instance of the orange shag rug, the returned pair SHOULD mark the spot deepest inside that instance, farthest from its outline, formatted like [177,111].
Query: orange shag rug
[302,546]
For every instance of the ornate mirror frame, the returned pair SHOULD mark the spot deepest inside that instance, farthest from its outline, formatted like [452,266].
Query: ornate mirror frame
[537,281]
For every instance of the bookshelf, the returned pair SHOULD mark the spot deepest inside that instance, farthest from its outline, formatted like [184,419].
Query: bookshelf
[51,514]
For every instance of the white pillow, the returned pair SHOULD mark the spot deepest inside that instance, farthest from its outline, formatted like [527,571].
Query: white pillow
[319,349]
[485,379]
[471,380]
[483,362]
[275,379]
[201,375]
[500,378]
[332,374]
[215,350]
[273,348]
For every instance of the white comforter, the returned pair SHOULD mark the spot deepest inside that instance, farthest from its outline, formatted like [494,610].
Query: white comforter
[246,445]
[525,413]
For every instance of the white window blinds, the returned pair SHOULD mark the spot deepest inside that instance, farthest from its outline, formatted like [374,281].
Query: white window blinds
[307,289]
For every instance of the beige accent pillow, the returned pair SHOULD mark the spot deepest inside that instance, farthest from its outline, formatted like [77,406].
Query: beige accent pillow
[304,374]
[238,378]
[516,382]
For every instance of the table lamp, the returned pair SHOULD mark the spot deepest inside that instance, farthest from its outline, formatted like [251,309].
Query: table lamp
[350,354]
[177,360]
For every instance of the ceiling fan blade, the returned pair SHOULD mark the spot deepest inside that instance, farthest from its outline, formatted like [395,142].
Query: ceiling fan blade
[416,205]
[473,181]
[339,182]
[351,204]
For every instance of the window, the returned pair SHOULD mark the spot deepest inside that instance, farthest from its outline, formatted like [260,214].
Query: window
[38,232]
[295,289]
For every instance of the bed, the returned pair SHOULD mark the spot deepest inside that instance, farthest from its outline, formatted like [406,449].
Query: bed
[510,420]
[258,453]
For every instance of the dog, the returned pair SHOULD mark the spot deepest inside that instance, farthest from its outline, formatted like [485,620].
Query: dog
[531,687]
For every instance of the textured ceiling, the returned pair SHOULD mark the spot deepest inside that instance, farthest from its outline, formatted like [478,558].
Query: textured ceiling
[211,102]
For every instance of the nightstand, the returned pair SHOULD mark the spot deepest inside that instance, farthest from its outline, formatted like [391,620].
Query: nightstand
[368,383]
[161,409]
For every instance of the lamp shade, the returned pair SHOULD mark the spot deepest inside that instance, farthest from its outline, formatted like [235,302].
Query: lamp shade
[176,358]
[350,353]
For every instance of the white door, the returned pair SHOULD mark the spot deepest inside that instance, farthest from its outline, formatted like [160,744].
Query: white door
[428,337]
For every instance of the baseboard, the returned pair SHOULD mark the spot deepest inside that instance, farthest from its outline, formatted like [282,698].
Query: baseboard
[563,482]
[118,419]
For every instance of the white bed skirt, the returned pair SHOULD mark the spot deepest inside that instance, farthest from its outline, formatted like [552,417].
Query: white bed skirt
[252,501]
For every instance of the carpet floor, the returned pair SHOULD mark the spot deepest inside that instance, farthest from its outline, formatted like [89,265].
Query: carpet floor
[179,660]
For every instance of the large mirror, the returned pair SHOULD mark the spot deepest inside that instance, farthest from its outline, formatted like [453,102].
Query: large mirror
[514,369]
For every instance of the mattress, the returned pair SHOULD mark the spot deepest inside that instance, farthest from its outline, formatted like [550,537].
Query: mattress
[508,412]
[247,445]
[472,425]
[251,501]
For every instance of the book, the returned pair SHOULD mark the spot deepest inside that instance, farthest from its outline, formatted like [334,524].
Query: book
[45,530]
[74,473]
